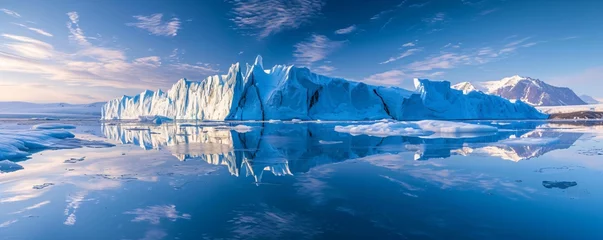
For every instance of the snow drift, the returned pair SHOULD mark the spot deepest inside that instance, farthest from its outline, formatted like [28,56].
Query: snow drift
[288,92]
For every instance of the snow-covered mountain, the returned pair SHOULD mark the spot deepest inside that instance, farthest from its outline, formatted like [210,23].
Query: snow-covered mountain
[288,92]
[532,91]
[589,99]
[50,109]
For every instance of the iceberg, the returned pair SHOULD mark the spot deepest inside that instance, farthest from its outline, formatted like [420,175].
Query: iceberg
[288,92]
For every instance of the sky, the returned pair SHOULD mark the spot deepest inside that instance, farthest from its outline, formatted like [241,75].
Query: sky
[91,51]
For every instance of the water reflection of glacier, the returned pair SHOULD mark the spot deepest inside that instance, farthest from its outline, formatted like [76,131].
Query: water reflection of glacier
[285,149]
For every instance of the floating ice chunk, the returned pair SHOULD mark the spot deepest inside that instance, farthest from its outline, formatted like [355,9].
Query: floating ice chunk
[560,185]
[295,120]
[53,126]
[42,186]
[418,128]
[242,128]
[74,160]
[45,119]
[8,166]
[238,128]
[329,142]
[274,121]
[18,144]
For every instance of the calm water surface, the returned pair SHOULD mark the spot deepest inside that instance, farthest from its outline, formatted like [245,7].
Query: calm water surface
[531,180]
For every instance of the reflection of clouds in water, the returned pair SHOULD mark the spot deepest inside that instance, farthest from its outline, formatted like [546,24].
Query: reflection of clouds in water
[266,222]
[439,175]
[314,183]
[154,214]
[38,205]
[7,223]
[73,203]
[404,185]
[154,234]
[21,189]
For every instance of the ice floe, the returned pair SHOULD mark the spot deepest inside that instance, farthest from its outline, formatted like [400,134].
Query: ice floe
[47,126]
[418,128]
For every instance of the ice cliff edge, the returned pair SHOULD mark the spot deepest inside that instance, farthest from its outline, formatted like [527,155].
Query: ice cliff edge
[287,92]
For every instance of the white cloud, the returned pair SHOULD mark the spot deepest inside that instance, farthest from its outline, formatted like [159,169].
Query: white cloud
[513,46]
[263,18]
[241,52]
[10,12]
[443,61]
[154,24]
[419,5]
[151,61]
[488,11]
[386,23]
[37,30]
[89,67]
[194,68]
[406,53]
[517,42]
[347,30]
[570,38]
[75,32]
[324,69]
[29,47]
[314,49]
[451,45]
[409,44]
[392,78]
[381,14]
[438,17]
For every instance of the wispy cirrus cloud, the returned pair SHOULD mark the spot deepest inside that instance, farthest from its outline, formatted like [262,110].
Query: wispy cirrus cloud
[91,65]
[37,30]
[263,18]
[10,12]
[28,47]
[488,11]
[434,65]
[406,53]
[76,34]
[151,61]
[438,17]
[347,30]
[314,49]
[391,77]
[419,5]
[409,44]
[155,25]
[512,46]
[386,12]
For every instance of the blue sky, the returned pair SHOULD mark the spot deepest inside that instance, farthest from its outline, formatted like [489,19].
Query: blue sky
[87,51]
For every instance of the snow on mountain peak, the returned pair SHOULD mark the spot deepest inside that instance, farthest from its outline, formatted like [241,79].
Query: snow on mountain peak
[530,90]
[466,87]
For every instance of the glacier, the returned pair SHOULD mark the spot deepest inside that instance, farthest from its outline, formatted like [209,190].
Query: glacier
[286,92]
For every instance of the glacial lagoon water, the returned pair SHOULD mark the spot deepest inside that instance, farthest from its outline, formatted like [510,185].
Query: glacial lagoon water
[531,180]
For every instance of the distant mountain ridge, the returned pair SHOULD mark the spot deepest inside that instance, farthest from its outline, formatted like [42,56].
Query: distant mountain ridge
[529,90]
[589,99]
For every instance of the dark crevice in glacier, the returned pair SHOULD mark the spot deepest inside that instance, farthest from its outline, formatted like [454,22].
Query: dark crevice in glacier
[384,104]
